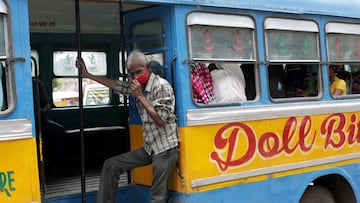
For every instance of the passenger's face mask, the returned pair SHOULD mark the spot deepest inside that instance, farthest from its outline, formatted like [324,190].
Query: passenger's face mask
[143,77]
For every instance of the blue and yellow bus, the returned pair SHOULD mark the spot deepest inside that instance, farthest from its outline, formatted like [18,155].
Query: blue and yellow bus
[257,118]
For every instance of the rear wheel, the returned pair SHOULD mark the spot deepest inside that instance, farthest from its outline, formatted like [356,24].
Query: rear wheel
[317,194]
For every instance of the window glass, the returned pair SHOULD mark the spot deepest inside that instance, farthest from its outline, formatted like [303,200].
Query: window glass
[156,58]
[64,63]
[123,98]
[148,44]
[2,36]
[343,47]
[65,85]
[6,81]
[96,94]
[65,92]
[293,80]
[343,41]
[213,42]
[153,27]
[147,35]
[291,45]
[291,40]
[34,62]
[121,68]
[6,73]
[221,37]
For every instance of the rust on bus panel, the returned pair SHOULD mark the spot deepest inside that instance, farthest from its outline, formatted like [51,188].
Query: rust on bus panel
[306,137]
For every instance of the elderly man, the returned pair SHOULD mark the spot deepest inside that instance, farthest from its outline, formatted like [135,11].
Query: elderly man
[156,105]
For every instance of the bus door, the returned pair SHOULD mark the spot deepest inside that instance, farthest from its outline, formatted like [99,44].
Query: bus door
[148,30]
[19,181]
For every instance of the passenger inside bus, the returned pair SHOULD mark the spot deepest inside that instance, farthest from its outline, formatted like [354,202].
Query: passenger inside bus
[296,80]
[344,72]
[277,81]
[355,80]
[157,69]
[337,85]
[249,75]
[293,80]
[202,83]
[220,83]
[228,83]
[52,133]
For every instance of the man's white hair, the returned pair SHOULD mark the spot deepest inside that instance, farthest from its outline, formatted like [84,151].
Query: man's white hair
[136,59]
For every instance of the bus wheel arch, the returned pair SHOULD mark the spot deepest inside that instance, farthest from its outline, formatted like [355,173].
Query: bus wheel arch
[336,185]
[317,194]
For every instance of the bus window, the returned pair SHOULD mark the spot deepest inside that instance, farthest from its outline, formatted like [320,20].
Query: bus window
[35,56]
[225,45]
[343,48]
[355,83]
[293,53]
[345,78]
[65,82]
[149,37]
[124,100]
[6,72]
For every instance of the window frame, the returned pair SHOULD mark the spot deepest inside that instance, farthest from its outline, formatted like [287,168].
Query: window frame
[340,28]
[292,25]
[9,90]
[198,18]
[152,52]
[214,19]
[345,28]
[75,76]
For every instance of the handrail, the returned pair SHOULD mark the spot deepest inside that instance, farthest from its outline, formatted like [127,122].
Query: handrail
[95,129]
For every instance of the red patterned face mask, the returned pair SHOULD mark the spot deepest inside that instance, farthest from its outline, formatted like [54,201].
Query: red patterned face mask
[143,77]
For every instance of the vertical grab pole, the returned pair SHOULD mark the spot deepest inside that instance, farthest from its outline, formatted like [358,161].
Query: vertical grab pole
[122,51]
[122,35]
[122,47]
[81,107]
